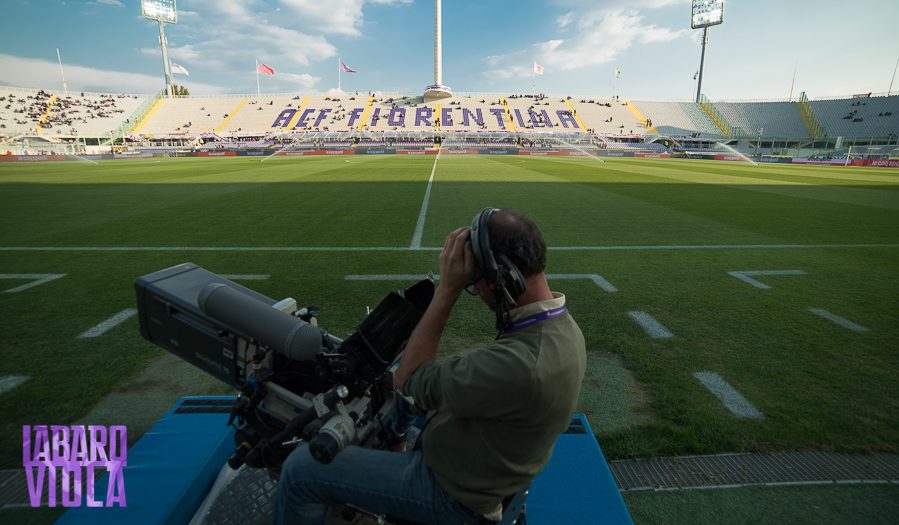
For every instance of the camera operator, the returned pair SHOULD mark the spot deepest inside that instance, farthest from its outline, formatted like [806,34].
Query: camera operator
[494,412]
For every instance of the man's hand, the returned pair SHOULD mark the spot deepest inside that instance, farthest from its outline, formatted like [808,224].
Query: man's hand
[457,269]
[457,265]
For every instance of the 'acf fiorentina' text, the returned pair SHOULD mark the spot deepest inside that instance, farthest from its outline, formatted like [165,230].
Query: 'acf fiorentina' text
[73,458]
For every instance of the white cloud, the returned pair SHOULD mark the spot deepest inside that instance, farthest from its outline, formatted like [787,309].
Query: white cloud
[18,71]
[343,17]
[116,3]
[599,37]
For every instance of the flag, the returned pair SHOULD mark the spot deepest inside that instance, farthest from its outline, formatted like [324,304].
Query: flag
[696,75]
[345,68]
[179,69]
[538,69]
[265,70]
[617,72]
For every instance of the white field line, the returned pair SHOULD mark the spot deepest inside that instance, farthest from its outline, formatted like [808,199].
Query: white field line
[245,277]
[841,321]
[108,324]
[337,249]
[420,225]
[597,279]
[648,323]
[37,279]
[747,276]
[388,277]
[738,405]
[7,383]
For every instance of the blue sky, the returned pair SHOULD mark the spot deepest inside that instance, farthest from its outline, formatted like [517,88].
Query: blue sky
[838,47]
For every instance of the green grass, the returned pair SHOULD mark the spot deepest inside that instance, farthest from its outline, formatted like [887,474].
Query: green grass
[819,385]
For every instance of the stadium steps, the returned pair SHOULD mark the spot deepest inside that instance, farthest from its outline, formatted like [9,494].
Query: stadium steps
[509,115]
[148,115]
[231,115]
[366,113]
[815,130]
[131,122]
[641,117]
[726,128]
[46,114]
[577,116]
[298,114]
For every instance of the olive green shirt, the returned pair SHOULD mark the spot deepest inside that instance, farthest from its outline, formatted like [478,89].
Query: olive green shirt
[499,409]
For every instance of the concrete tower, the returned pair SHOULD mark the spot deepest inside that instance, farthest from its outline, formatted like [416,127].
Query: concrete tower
[438,90]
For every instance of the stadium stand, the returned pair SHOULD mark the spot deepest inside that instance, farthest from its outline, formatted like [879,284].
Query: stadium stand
[678,118]
[607,116]
[777,119]
[241,121]
[42,112]
[858,117]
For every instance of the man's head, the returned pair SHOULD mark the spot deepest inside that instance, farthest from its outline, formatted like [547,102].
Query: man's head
[508,249]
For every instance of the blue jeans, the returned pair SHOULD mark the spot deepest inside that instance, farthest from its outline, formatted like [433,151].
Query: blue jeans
[397,484]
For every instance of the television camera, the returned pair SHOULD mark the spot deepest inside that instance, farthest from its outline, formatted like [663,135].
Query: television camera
[297,383]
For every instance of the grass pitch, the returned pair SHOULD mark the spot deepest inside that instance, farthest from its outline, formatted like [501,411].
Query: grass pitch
[664,233]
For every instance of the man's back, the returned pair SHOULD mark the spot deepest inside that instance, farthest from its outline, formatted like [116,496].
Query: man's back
[500,408]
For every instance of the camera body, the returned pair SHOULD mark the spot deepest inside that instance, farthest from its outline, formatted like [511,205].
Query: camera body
[297,383]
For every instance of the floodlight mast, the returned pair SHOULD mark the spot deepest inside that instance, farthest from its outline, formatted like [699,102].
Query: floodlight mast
[162,11]
[705,13]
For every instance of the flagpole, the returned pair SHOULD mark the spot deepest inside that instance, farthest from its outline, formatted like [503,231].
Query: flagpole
[257,79]
[894,77]
[793,83]
[65,87]
[534,78]
[338,74]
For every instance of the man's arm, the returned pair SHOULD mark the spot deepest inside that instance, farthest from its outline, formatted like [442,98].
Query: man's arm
[457,269]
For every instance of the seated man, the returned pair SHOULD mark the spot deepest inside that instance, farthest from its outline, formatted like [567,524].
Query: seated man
[494,412]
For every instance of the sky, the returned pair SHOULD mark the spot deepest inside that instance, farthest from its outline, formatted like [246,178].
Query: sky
[489,46]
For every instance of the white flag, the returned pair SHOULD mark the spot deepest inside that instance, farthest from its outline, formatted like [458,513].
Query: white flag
[538,69]
[181,70]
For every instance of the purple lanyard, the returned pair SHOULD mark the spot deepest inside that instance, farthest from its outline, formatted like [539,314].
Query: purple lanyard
[534,319]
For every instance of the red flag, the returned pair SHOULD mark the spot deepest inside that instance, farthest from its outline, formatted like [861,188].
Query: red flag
[345,68]
[265,70]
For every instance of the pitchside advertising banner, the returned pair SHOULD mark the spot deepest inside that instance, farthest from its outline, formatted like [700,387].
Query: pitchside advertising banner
[879,163]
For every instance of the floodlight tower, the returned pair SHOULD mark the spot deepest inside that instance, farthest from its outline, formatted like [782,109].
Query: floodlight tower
[706,13]
[164,12]
[438,90]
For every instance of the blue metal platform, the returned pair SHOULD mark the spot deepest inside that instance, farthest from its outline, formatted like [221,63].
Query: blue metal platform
[171,469]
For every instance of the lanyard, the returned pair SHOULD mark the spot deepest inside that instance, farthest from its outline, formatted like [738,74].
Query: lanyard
[534,319]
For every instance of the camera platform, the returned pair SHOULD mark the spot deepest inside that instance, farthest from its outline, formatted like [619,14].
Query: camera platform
[175,474]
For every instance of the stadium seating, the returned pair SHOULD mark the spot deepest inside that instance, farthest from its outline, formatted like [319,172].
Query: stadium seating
[52,113]
[231,118]
[679,118]
[866,114]
[778,119]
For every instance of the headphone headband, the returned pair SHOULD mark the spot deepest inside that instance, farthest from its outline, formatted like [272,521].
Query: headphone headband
[500,273]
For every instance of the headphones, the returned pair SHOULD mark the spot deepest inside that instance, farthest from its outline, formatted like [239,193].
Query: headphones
[500,273]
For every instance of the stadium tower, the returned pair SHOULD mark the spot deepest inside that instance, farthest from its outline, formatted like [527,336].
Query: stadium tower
[438,90]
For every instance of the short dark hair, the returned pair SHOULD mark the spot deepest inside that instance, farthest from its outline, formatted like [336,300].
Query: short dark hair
[518,238]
